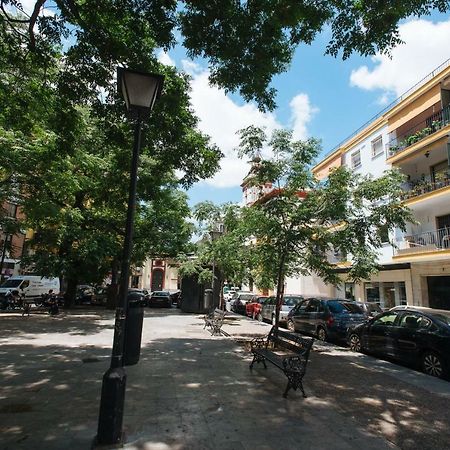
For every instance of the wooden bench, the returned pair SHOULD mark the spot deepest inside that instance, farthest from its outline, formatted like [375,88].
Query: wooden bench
[214,321]
[287,351]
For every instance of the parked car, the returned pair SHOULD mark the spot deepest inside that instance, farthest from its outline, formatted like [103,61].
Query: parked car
[370,309]
[240,300]
[253,308]
[99,296]
[268,308]
[160,298]
[175,296]
[327,318]
[413,335]
[84,294]
[230,301]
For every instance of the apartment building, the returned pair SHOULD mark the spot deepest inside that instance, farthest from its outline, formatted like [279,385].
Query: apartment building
[411,135]
[11,245]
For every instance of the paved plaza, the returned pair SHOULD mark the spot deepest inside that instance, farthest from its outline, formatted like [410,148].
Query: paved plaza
[194,391]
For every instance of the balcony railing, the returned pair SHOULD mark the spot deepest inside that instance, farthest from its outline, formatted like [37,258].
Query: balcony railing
[424,242]
[416,188]
[421,130]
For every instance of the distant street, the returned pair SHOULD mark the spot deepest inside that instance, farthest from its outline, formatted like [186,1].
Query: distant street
[194,391]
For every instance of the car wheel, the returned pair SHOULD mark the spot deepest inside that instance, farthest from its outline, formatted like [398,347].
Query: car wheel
[432,364]
[290,325]
[322,334]
[354,343]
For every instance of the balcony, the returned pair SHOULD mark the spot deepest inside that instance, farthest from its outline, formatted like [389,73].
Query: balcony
[418,132]
[417,188]
[429,241]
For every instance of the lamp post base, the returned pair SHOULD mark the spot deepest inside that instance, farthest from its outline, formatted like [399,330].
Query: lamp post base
[112,402]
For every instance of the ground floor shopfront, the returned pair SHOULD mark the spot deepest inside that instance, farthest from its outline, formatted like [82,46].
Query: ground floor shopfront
[424,283]
[415,283]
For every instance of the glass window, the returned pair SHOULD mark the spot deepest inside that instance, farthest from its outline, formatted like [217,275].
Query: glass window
[291,301]
[303,305]
[25,284]
[372,292]
[383,233]
[11,283]
[356,159]
[313,306]
[377,146]
[349,291]
[414,321]
[336,307]
[386,319]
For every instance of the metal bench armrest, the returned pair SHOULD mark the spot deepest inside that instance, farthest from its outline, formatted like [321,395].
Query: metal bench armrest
[258,343]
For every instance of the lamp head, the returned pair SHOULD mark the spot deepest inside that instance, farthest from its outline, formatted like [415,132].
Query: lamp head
[139,90]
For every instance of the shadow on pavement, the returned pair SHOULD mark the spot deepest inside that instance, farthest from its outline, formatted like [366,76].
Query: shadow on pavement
[198,393]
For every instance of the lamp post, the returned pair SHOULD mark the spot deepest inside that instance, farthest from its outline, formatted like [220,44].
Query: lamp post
[140,90]
[214,234]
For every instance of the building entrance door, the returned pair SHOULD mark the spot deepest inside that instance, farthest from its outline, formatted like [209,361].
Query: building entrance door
[438,289]
[157,280]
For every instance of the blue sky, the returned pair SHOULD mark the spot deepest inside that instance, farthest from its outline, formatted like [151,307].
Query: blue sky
[320,96]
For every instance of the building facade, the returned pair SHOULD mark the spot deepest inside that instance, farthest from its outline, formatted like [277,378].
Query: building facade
[413,137]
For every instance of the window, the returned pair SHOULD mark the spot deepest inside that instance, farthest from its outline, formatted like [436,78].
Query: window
[414,321]
[356,159]
[349,291]
[313,306]
[377,146]
[383,233]
[386,319]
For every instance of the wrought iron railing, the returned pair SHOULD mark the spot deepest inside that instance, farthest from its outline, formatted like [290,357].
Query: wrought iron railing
[420,187]
[419,131]
[424,242]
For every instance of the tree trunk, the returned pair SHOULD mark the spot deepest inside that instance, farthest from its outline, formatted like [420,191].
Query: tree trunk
[113,288]
[71,292]
[280,291]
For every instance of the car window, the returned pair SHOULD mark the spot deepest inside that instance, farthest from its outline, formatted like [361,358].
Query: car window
[246,297]
[336,307]
[313,306]
[353,308]
[386,319]
[291,301]
[414,321]
[302,306]
[442,317]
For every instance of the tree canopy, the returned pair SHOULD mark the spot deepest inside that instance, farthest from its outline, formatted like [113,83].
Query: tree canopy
[245,43]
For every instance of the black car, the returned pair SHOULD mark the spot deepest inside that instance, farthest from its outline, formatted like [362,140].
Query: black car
[327,318]
[413,335]
[160,298]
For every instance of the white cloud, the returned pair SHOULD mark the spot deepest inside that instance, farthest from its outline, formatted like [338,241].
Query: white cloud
[423,51]
[221,117]
[302,113]
[164,58]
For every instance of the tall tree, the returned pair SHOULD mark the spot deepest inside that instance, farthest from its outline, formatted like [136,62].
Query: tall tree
[293,230]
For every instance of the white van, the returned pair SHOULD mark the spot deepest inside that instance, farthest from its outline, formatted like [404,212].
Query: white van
[33,286]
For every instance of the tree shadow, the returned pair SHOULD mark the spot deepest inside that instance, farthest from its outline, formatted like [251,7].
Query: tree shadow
[199,393]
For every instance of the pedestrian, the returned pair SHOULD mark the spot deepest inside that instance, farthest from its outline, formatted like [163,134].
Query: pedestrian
[52,303]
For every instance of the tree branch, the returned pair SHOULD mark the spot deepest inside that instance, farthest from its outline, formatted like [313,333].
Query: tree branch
[37,8]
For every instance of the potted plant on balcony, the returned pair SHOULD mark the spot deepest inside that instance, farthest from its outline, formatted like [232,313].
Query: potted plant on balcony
[436,125]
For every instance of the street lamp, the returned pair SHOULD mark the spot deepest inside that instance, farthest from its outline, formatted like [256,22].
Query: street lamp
[215,234]
[139,90]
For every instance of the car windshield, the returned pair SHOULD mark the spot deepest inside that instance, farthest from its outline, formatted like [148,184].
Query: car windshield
[160,294]
[338,307]
[247,297]
[373,307]
[291,301]
[11,283]
[442,316]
